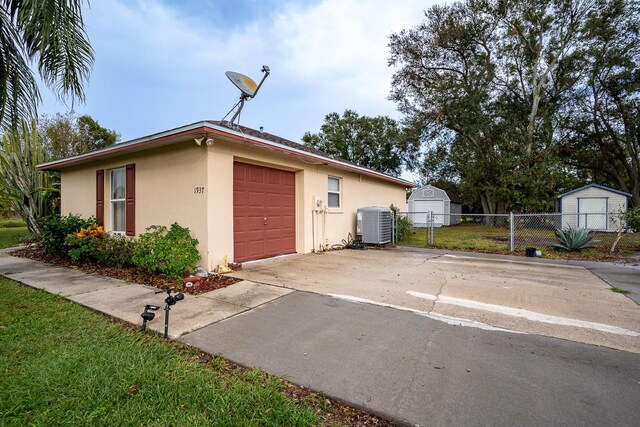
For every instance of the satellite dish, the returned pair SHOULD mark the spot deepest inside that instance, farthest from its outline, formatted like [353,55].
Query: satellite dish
[249,90]
[242,82]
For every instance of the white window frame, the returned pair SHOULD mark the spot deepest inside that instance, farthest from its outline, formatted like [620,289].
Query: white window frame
[339,192]
[112,201]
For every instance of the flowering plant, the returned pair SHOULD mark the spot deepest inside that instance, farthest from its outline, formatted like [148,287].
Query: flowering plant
[95,231]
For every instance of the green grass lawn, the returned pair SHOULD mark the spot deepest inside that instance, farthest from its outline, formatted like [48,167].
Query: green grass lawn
[12,236]
[61,364]
[473,237]
[11,223]
[476,237]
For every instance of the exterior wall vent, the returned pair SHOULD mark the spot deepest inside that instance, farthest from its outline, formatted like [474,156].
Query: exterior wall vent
[374,225]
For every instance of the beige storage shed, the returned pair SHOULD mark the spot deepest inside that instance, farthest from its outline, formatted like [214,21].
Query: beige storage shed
[593,206]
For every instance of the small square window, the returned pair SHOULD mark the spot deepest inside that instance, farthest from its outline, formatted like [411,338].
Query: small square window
[333,197]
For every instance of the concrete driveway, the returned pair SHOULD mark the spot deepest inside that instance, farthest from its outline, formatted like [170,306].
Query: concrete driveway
[423,372]
[556,300]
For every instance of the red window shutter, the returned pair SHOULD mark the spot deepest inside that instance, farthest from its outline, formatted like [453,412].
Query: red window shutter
[100,196]
[130,215]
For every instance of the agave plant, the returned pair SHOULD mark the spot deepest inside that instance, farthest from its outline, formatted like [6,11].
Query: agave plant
[574,239]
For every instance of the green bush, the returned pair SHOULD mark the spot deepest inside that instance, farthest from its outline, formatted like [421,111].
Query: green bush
[403,223]
[574,239]
[82,249]
[115,251]
[633,219]
[172,252]
[55,230]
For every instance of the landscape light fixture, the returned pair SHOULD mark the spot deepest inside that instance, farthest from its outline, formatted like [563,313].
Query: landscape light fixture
[169,301]
[148,316]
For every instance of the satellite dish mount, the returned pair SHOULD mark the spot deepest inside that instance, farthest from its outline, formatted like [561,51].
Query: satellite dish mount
[248,88]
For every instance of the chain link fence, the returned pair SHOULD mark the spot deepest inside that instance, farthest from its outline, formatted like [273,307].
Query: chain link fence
[506,232]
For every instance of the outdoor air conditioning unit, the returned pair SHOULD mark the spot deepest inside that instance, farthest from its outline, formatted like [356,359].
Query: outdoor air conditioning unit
[374,225]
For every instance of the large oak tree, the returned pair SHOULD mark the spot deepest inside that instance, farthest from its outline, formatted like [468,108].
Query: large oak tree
[480,82]
[374,142]
[602,119]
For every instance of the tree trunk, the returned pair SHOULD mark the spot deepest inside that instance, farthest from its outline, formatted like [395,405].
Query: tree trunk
[491,206]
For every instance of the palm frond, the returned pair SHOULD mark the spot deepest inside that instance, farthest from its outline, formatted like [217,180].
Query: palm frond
[53,33]
[19,94]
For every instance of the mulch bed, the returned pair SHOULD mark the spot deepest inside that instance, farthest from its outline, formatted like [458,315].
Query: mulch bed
[129,274]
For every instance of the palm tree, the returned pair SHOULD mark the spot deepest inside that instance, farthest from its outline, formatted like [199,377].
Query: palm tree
[49,33]
[24,189]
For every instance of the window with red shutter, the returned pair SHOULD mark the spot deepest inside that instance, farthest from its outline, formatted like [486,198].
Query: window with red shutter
[130,214]
[100,196]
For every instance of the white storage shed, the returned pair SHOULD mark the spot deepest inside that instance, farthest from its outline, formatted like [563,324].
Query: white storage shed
[592,206]
[445,205]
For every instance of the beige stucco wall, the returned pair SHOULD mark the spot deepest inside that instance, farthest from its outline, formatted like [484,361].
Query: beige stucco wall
[311,184]
[165,182]
[166,178]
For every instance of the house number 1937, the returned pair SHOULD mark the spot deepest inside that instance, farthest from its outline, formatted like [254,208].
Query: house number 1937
[198,190]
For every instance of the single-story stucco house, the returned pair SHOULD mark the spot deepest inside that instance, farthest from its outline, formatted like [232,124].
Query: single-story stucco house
[243,193]
[592,206]
[442,204]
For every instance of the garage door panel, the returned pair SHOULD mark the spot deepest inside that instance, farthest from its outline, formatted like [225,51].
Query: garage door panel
[255,224]
[256,248]
[240,221]
[274,177]
[261,192]
[255,175]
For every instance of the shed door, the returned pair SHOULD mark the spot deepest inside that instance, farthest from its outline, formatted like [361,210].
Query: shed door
[264,221]
[435,206]
[592,213]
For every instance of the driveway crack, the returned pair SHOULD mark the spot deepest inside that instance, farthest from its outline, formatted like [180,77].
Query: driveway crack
[442,285]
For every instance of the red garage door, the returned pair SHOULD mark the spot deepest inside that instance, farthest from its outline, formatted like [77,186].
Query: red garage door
[264,221]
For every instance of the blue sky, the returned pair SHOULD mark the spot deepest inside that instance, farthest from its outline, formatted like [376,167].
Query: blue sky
[160,63]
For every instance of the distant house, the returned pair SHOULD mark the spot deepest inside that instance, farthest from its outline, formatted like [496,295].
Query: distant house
[592,206]
[445,206]
[243,193]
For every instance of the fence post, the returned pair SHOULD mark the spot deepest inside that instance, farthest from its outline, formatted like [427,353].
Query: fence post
[394,234]
[432,237]
[512,229]
[426,230]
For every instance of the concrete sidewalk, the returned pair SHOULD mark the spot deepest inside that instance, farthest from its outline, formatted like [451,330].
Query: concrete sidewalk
[126,301]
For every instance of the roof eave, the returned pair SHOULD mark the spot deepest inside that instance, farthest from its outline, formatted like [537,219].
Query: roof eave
[205,126]
[602,187]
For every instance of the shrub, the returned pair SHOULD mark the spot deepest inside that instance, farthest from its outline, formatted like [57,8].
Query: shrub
[633,219]
[115,251]
[82,249]
[83,245]
[172,252]
[403,223]
[574,239]
[56,228]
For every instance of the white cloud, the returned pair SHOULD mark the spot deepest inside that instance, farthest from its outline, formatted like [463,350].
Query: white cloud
[159,66]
